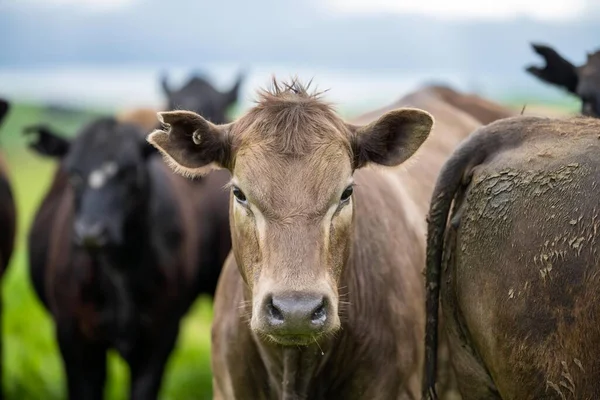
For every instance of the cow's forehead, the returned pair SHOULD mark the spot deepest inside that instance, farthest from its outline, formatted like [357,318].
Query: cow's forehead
[93,152]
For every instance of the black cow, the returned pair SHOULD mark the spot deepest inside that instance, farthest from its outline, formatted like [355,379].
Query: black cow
[582,81]
[200,96]
[119,249]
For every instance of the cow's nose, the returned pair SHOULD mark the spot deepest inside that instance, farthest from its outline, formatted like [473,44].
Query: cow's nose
[90,235]
[297,313]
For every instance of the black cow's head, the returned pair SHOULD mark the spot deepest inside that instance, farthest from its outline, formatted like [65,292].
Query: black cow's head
[199,96]
[582,81]
[106,165]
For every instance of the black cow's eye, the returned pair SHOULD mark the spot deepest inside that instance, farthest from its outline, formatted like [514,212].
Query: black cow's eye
[346,194]
[239,195]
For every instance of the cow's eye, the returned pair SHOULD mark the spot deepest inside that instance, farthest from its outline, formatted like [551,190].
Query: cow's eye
[346,194]
[239,195]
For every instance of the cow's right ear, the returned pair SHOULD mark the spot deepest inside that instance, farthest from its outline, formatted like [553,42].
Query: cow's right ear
[191,145]
[47,142]
[557,70]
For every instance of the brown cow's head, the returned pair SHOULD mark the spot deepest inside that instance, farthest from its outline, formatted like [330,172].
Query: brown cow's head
[292,160]
[583,81]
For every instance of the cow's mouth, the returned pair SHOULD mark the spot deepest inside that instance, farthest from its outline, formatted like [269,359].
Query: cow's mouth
[294,340]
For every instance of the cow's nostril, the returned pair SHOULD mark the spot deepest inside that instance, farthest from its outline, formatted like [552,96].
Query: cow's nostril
[319,315]
[275,313]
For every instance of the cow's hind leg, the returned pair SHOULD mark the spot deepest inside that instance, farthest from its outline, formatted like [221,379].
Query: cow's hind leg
[148,364]
[85,366]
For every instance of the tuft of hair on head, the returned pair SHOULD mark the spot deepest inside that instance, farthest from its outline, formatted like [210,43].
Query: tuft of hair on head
[293,88]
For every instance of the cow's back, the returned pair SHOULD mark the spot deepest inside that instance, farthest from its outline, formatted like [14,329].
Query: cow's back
[522,289]
[481,109]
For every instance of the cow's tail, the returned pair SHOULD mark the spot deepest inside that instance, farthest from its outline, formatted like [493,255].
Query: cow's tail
[455,172]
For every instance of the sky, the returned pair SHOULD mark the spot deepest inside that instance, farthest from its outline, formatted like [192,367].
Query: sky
[549,10]
[546,10]
[122,45]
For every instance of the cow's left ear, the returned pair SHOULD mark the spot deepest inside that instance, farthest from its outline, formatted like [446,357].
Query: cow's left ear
[4,107]
[191,145]
[391,139]
[47,142]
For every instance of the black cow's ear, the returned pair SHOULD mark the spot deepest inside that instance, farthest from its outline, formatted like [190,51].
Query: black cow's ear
[47,142]
[191,145]
[164,83]
[232,95]
[557,71]
[4,107]
[392,139]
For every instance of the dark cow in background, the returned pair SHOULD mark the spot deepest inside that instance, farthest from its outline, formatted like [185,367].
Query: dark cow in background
[200,96]
[8,220]
[514,246]
[119,249]
[197,95]
[582,81]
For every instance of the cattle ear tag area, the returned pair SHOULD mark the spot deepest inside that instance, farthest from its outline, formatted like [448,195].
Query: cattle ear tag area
[196,137]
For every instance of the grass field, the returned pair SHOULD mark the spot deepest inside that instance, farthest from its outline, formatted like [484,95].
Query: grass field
[32,366]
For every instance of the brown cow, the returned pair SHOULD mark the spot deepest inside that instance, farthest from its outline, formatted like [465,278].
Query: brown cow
[519,261]
[483,110]
[8,216]
[320,295]
[119,249]
[487,111]
[451,127]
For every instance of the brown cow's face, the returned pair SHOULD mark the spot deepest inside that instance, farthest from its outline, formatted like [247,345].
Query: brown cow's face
[291,221]
[291,212]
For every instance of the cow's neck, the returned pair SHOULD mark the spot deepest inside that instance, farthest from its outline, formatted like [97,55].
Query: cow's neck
[293,369]
[124,277]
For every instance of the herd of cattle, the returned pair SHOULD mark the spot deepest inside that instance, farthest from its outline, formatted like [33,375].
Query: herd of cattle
[315,252]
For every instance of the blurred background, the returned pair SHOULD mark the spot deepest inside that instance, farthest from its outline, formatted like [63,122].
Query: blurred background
[63,62]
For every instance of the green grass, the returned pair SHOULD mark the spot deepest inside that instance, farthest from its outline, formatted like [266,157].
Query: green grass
[32,364]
